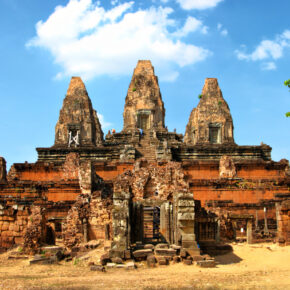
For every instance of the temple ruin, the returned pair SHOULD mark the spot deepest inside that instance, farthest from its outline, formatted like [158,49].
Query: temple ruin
[145,185]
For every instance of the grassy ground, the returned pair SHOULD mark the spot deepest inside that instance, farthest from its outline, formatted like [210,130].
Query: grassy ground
[264,266]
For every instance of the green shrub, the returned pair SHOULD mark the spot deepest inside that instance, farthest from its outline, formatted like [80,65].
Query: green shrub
[200,96]
[76,261]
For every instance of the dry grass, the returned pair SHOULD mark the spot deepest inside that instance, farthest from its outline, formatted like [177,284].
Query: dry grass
[249,267]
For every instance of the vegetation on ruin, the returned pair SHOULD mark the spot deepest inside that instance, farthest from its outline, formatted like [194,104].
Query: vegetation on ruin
[200,96]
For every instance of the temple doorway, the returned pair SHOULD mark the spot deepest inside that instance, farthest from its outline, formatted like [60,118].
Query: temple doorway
[151,224]
[143,119]
[145,223]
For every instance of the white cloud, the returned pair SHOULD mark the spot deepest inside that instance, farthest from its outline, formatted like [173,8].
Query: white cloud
[87,40]
[267,50]
[198,4]
[269,66]
[191,25]
[223,32]
[104,124]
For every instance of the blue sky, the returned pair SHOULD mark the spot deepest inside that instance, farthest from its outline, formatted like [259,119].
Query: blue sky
[243,43]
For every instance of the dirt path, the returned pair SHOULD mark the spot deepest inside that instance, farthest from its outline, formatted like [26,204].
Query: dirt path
[263,266]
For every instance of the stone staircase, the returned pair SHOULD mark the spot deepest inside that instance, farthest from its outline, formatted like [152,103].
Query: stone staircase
[145,148]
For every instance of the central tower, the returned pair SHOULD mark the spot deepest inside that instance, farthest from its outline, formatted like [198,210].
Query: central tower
[144,108]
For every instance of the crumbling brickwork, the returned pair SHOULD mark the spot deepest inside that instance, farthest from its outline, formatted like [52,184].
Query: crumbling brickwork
[35,232]
[283,221]
[148,180]
[76,221]
[13,224]
[89,218]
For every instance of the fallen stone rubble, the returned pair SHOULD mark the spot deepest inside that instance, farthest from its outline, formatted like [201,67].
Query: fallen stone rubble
[149,255]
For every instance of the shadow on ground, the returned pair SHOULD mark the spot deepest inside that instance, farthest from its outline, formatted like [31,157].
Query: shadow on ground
[227,259]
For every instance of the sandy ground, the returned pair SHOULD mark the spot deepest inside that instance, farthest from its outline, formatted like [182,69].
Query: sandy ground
[263,266]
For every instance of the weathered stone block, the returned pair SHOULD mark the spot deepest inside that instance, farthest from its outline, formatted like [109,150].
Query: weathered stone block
[183,253]
[197,258]
[98,268]
[165,252]
[176,259]
[187,262]
[151,261]
[161,246]
[130,265]
[206,264]
[162,260]
[111,265]
[105,258]
[149,246]
[117,260]
[142,253]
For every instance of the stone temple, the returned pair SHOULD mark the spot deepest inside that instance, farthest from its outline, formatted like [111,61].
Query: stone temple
[145,185]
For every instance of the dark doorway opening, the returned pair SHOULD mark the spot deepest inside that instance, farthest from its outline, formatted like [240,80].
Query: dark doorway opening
[151,224]
[50,235]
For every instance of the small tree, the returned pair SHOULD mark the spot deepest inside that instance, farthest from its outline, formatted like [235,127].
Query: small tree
[287,83]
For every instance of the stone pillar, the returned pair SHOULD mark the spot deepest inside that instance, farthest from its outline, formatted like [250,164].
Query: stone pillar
[121,225]
[3,172]
[166,221]
[185,223]
[249,231]
[85,230]
[266,231]
[218,231]
[283,224]
[257,222]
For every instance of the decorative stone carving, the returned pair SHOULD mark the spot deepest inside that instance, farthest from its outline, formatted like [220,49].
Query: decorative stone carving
[78,123]
[144,107]
[211,121]
[227,167]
